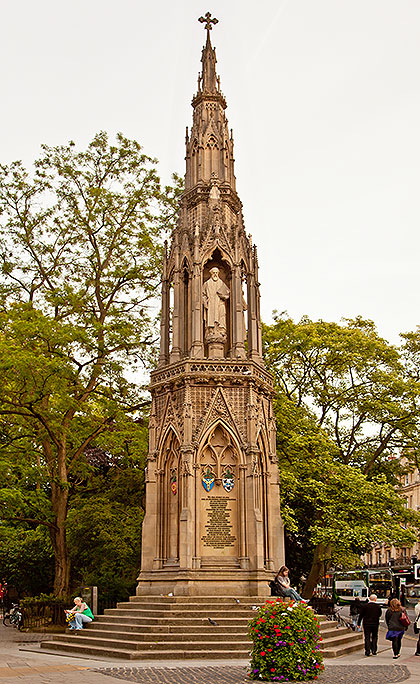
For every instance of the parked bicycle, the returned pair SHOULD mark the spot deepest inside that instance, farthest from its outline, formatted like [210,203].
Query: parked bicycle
[14,617]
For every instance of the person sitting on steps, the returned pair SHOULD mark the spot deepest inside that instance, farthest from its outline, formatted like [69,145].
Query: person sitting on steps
[282,579]
[82,613]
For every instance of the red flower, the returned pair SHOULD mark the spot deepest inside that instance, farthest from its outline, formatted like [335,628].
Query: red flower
[273,669]
[263,653]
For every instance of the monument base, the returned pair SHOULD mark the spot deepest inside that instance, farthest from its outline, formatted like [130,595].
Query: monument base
[204,583]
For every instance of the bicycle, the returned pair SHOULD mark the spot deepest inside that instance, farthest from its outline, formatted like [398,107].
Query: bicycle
[14,617]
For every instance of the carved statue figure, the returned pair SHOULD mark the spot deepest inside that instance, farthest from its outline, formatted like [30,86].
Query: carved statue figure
[215,294]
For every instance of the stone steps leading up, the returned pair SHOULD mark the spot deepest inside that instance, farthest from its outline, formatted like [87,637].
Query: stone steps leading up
[107,652]
[221,621]
[179,628]
[187,600]
[215,613]
[159,637]
[85,638]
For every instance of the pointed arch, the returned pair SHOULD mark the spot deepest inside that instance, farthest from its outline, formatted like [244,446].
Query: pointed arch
[169,496]
[234,437]
[210,256]
[194,161]
[219,497]
[170,428]
[212,156]
[186,306]
[261,494]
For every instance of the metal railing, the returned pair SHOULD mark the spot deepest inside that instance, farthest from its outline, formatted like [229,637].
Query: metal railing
[43,614]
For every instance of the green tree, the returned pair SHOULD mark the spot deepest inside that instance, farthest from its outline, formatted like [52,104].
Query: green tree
[26,559]
[358,386]
[107,514]
[345,405]
[81,245]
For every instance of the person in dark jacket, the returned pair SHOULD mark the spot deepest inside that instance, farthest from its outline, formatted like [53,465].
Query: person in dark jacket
[395,631]
[369,614]
[402,595]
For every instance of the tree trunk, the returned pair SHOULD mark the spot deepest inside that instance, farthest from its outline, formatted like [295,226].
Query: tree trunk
[59,541]
[320,562]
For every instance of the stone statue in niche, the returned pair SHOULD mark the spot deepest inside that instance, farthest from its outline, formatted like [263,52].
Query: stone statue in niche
[215,295]
[214,193]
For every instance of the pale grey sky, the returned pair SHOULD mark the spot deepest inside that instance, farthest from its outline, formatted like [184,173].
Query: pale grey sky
[324,101]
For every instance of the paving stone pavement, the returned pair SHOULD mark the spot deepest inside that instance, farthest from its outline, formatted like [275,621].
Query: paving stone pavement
[379,674]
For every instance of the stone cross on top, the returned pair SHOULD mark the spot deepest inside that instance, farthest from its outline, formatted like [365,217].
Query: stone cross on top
[209,21]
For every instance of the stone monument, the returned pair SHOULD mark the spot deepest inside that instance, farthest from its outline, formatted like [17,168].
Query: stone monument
[212,524]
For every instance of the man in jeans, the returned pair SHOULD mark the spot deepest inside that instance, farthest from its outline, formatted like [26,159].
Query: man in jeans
[370,613]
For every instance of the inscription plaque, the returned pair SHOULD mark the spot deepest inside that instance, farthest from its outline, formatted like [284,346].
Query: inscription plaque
[219,535]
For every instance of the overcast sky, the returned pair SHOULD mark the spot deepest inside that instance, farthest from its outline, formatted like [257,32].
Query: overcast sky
[324,101]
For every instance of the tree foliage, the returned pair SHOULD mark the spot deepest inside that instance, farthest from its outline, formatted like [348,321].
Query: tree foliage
[81,244]
[356,384]
[26,559]
[346,406]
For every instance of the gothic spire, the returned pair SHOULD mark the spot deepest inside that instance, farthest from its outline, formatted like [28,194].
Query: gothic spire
[209,148]
[208,80]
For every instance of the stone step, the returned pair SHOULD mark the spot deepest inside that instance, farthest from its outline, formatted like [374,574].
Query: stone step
[157,637]
[342,636]
[165,629]
[206,631]
[245,600]
[109,652]
[226,621]
[149,645]
[328,632]
[168,614]
[341,650]
[182,608]
[178,627]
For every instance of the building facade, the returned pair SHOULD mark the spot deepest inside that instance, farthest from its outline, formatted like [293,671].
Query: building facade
[401,560]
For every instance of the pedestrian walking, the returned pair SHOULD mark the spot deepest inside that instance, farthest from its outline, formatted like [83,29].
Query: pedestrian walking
[355,612]
[396,628]
[416,626]
[402,595]
[369,615]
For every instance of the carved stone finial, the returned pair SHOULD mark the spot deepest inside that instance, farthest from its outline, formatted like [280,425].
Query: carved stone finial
[208,21]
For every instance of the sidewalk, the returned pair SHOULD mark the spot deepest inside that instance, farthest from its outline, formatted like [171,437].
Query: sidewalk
[23,661]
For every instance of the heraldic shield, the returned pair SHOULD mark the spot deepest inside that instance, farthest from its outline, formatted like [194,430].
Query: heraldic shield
[208,480]
[228,480]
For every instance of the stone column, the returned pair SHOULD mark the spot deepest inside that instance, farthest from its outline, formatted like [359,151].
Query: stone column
[176,332]
[197,346]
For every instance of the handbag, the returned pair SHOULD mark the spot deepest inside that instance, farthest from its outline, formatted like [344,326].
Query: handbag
[405,620]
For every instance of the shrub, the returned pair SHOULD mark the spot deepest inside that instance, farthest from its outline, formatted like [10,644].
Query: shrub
[285,643]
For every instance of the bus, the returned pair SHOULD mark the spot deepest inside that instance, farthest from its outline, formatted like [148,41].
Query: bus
[349,584]
[412,594]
